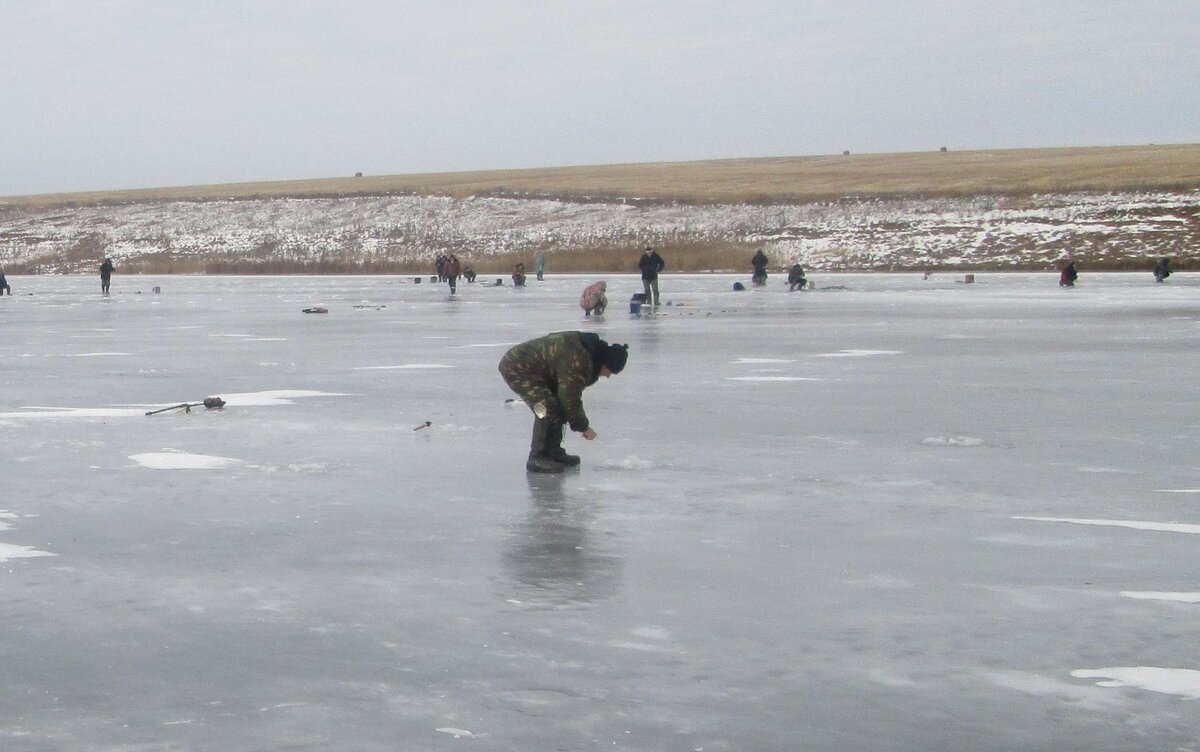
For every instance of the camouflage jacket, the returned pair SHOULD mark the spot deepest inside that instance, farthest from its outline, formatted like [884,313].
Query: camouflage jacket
[562,362]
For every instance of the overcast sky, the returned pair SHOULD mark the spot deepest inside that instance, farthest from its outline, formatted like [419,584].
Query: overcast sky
[103,94]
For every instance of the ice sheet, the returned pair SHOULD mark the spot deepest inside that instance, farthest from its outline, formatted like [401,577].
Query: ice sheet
[929,541]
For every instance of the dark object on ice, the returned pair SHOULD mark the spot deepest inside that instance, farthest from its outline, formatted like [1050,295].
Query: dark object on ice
[209,403]
[426,424]
[1162,269]
[759,262]
[1068,276]
[796,279]
[316,309]
[738,287]
[4,286]
[416,280]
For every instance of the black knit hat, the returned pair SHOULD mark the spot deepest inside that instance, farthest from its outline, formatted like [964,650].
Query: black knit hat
[614,357]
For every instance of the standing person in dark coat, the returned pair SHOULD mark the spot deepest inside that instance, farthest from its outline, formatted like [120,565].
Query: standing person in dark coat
[549,374]
[1068,276]
[106,270]
[4,286]
[759,262]
[1162,269]
[451,269]
[651,264]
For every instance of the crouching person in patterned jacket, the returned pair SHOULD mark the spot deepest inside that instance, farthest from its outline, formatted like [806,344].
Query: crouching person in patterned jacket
[549,374]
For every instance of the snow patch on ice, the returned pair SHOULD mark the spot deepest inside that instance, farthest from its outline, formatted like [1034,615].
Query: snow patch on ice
[273,397]
[457,733]
[651,633]
[91,355]
[1178,490]
[175,460]
[1172,681]
[967,441]
[38,412]
[1151,595]
[858,353]
[1163,527]
[754,361]
[770,378]
[9,551]
[628,463]
[403,367]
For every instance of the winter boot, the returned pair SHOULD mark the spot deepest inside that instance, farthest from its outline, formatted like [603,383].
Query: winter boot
[554,448]
[538,461]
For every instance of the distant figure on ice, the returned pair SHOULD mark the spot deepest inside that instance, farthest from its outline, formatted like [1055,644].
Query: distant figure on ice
[106,270]
[4,286]
[440,265]
[796,277]
[650,264]
[468,273]
[594,299]
[1068,276]
[1162,269]
[759,278]
[518,275]
[451,270]
[539,265]
[549,374]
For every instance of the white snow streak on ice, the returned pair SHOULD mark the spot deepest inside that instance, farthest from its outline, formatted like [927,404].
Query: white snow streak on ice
[272,398]
[73,412]
[770,378]
[455,732]
[1178,490]
[8,551]
[90,355]
[182,461]
[952,441]
[857,353]
[397,368]
[1156,596]
[762,360]
[1172,681]
[1165,527]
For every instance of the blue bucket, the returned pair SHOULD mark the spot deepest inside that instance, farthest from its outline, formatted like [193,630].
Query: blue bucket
[635,307]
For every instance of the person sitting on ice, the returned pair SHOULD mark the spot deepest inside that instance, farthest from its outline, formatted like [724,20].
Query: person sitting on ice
[1162,269]
[518,275]
[1068,276]
[594,299]
[796,277]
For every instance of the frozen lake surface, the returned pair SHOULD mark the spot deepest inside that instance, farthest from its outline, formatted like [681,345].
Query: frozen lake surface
[887,514]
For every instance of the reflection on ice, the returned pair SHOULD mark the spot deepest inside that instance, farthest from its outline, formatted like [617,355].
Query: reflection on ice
[552,558]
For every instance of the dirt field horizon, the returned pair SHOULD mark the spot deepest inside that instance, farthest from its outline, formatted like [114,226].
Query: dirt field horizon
[764,180]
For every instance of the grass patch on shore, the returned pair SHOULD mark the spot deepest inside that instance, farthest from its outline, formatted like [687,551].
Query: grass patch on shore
[760,181]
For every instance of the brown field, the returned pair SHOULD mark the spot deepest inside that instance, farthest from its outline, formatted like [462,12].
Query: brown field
[764,180]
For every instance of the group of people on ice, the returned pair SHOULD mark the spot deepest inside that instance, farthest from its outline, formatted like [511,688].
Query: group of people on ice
[1068,275]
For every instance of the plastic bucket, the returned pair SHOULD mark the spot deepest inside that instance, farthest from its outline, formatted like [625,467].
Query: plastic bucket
[635,307]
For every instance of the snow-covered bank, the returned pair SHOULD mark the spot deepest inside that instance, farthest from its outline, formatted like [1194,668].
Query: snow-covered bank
[1112,230]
